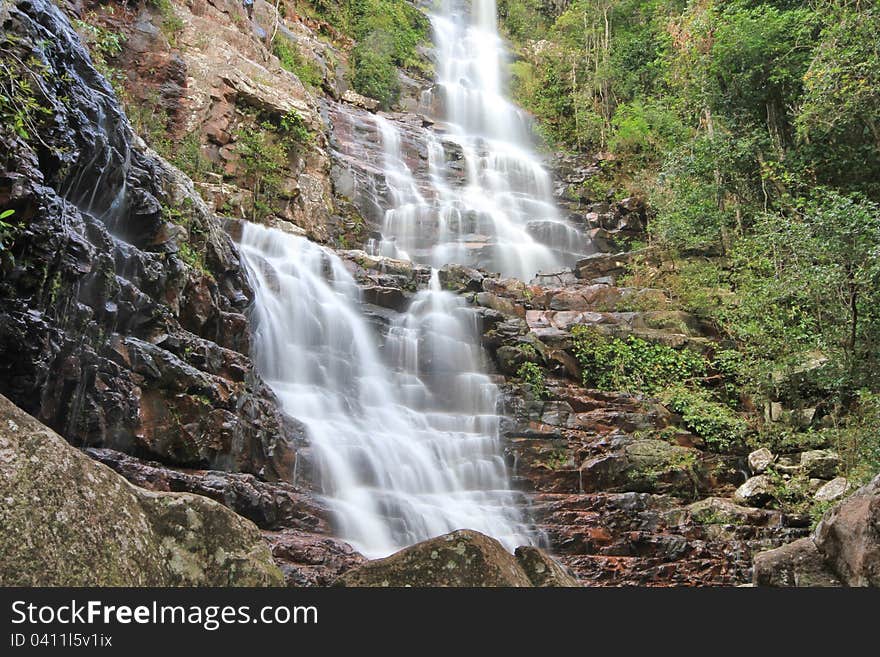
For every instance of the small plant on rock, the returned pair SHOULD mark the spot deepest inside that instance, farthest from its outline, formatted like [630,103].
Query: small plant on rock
[533,377]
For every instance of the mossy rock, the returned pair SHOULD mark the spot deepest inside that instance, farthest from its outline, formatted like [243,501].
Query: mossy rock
[70,521]
[463,558]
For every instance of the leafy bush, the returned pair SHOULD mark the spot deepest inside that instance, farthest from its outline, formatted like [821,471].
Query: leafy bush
[857,438]
[294,131]
[533,377]
[172,24]
[717,423]
[631,363]
[21,109]
[6,229]
[263,159]
[375,74]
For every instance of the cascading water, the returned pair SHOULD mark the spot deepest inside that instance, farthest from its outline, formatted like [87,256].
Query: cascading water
[406,438]
[503,216]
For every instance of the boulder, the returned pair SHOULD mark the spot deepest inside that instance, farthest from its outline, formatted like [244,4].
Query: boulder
[461,558]
[756,491]
[849,537]
[760,460]
[844,550]
[820,463]
[832,490]
[645,465]
[69,521]
[797,564]
[718,510]
[542,570]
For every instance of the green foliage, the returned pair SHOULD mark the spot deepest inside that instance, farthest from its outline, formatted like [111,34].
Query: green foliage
[643,132]
[631,363]
[265,149]
[20,108]
[807,283]
[857,438]
[374,73]
[402,26]
[294,131]
[6,229]
[533,377]
[720,426]
[104,45]
[187,156]
[106,42]
[529,351]
[292,60]
[263,158]
[677,377]
[191,250]
[387,33]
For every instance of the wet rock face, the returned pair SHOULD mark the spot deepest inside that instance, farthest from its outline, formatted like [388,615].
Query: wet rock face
[109,332]
[69,521]
[461,558]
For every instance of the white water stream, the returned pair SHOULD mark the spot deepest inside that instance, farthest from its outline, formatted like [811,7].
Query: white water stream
[405,438]
[502,217]
[406,435]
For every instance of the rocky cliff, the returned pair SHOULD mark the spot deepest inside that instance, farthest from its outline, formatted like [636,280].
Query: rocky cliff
[122,306]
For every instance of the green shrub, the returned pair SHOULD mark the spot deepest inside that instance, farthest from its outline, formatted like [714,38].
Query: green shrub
[294,131]
[631,363]
[717,423]
[292,60]
[857,438]
[172,24]
[374,73]
[533,377]
[263,159]
[6,229]
[21,109]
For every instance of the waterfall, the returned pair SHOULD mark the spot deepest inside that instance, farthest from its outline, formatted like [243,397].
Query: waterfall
[405,439]
[502,216]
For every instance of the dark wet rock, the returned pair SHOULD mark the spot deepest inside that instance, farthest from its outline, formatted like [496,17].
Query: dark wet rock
[310,559]
[386,297]
[461,279]
[107,334]
[296,527]
[69,521]
[270,505]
